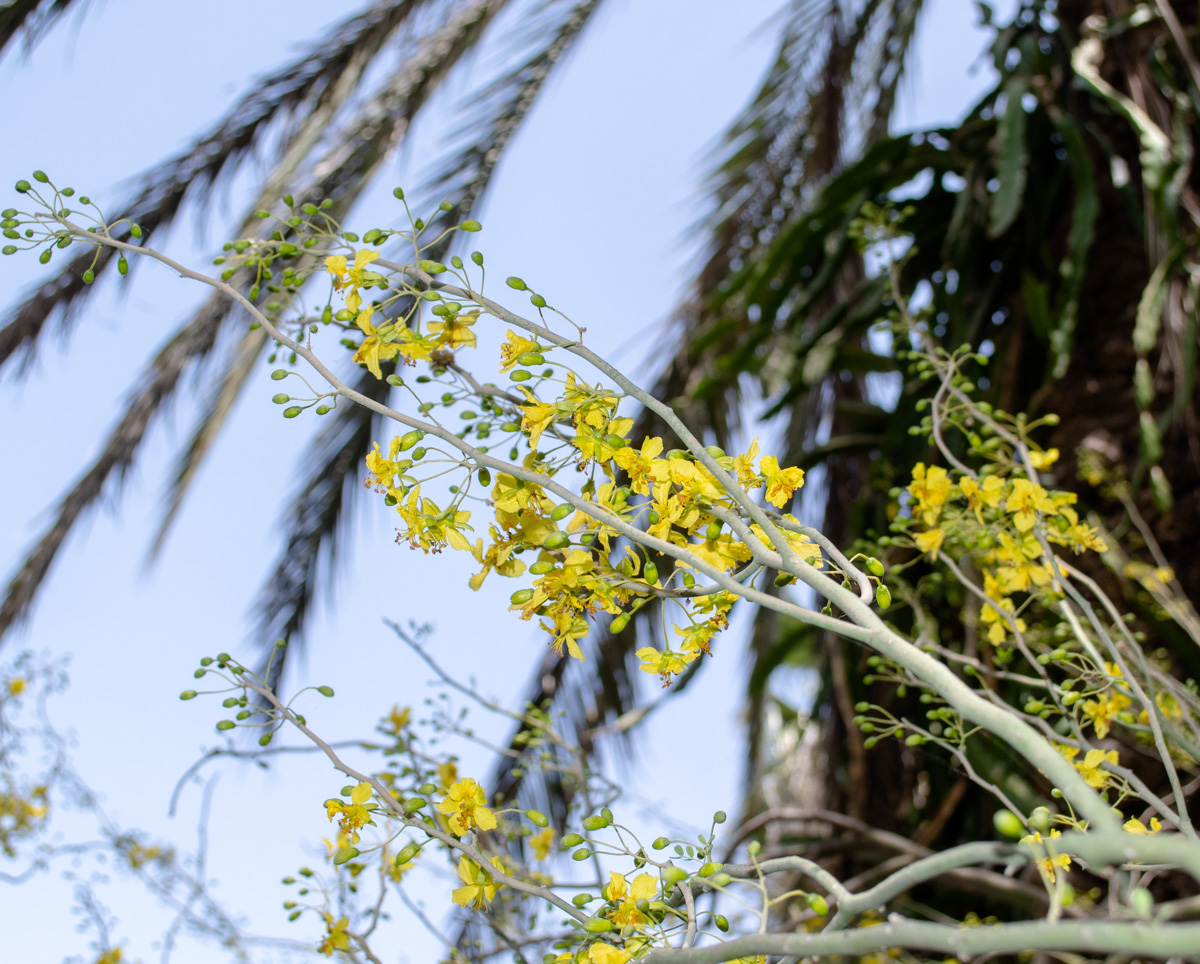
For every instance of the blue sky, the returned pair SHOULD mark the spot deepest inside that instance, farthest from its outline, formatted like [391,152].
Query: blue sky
[594,201]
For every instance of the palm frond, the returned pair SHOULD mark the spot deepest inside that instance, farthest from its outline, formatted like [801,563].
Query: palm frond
[31,20]
[303,87]
[313,522]
[158,383]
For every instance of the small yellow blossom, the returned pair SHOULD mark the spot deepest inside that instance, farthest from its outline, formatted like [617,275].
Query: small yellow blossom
[537,418]
[930,541]
[480,887]
[346,277]
[1091,766]
[16,686]
[1025,501]
[447,773]
[626,895]
[455,330]
[114,955]
[1134,825]
[513,348]
[1043,460]
[781,483]
[465,807]
[930,488]
[664,662]
[978,495]
[354,814]
[399,718]
[336,938]
[602,953]
[1047,864]
[542,843]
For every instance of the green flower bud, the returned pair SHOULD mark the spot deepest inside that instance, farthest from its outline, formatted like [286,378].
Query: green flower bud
[556,540]
[530,358]
[596,822]
[710,868]
[188,695]
[883,596]
[226,725]
[582,900]
[817,904]
[874,566]
[581,854]
[470,226]
[22,186]
[537,818]
[89,276]
[572,840]
[521,597]
[281,399]
[537,301]
[265,739]
[673,875]
[598,925]
[660,843]
[1008,824]
[618,625]
[413,804]
[650,573]
[325,690]
[41,176]
[344,855]
[516,283]
[562,511]
[520,375]
[410,439]
[292,411]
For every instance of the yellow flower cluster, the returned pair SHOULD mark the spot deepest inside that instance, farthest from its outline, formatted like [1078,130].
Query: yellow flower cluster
[1000,516]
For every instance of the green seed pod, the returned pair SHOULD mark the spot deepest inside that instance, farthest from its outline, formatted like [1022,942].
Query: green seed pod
[596,822]
[516,283]
[531,358]
[650,573]
[410,439]
[556,540]
[572,840]
[817,904]
[1008,824]
[521,597]
[344,855]
[188,695]
[537,818]
[325,690]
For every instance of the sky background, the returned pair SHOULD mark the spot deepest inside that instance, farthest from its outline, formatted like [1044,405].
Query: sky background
[594,203]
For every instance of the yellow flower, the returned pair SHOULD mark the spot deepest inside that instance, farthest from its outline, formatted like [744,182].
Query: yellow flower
[112,956]
[465,807]
[626,896]
[1047,864]
[455,330]
[1134,825]
[399,718]
[1105,707]
[930,541]
[480,886]
[664,662]
[743,468]
[374,349]
[542,842]
[537,418]
[513,348]
[781,483]
[988,494]
[354,814]
[601,953]
[336,938]
[447,773]
[1043,460]
[16,687]
[1025,501]
[349,277]
[641,466]
[1090,767]
[930,488]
